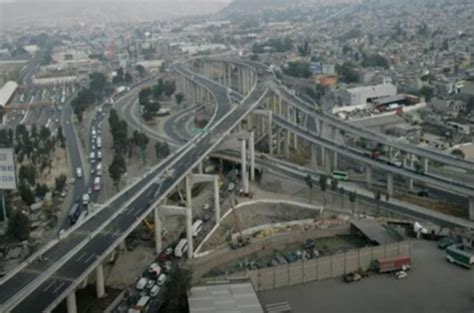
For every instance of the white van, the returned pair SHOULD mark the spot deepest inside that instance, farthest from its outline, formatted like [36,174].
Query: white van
[97,183]
[197,227]
[141,283]
[92,157]
[99,169]
[79,172]
[181,248]
[99,142]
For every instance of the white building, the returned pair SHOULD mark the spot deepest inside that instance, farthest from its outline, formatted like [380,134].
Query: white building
[7,92]
[365,94]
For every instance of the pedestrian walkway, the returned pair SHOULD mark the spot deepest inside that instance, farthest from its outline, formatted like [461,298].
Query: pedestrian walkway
[280,307]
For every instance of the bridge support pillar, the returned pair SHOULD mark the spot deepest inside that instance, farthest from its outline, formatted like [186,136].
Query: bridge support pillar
[390,184]
[158,239]
[314,156]
[243,171]
[278,138]
[71,302]
[369,176]
[189,232]
[217,203]
[471,208]
[270,133]
[334,160]
[252,155]
[201,168]
[323,156]
[99,281]
[425,165]
[286,143]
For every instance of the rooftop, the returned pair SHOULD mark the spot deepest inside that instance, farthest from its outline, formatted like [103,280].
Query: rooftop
[227,297]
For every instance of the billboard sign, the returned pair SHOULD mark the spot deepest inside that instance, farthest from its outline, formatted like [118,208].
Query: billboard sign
[7,169]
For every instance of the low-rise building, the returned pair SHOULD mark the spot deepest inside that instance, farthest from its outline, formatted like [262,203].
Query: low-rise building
[366,94]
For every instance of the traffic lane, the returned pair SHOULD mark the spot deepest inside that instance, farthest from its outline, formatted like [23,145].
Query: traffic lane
[358,155]
[192,156]
[43,296]
[395,208]
[33,270]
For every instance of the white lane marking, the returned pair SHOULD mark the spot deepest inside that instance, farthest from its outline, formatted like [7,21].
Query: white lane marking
[59,287]
[49,286]
[82,255]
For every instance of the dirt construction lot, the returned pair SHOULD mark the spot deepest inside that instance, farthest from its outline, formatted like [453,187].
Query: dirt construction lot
[433,285]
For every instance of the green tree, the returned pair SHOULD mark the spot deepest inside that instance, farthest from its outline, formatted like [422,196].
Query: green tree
[117,168]
[141,70]
[347,72]
[352,198]
[304,50]
[27,173]
[162,150]
[141,141]
[427,92]
[378,197]
[179,283]
[323,180]
[60,137]
[334,185]
[298,69]
[179,97]
[60,182]
[18,226]
[458,153]
[26,194]
[41,190]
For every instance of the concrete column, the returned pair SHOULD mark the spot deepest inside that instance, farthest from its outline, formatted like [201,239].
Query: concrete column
[122,246]
[278,145]
[245,184]
[369,176]
[158,239]
[286,143]
[252,155]
[189,232]
[390,184]
[314,156]
[270,134]
[201,168]
[328,161]
[71,302]
[189,196]
[217,204]
[425,165]
[471,208]
[99,282]
[320,128]
[323,156]
[334,160]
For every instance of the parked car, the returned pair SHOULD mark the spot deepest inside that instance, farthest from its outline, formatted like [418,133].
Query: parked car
[352,277]
[154,291]
[150,284]
[401,274]
[445,242]
[141,283]
[161,279]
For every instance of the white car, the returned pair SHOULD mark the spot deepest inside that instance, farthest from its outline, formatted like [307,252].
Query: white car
[401,275]
[141,283]
[161,279]
[154,291]
[150,284]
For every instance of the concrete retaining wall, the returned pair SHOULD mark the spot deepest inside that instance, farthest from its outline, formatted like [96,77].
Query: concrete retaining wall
[226,255]
[321,268]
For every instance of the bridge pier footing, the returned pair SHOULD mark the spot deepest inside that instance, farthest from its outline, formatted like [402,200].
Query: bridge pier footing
[390,184]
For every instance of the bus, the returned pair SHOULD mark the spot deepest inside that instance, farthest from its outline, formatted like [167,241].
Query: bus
[74,213]
[340,175]
[181,248]
[457,256]
[197,227]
